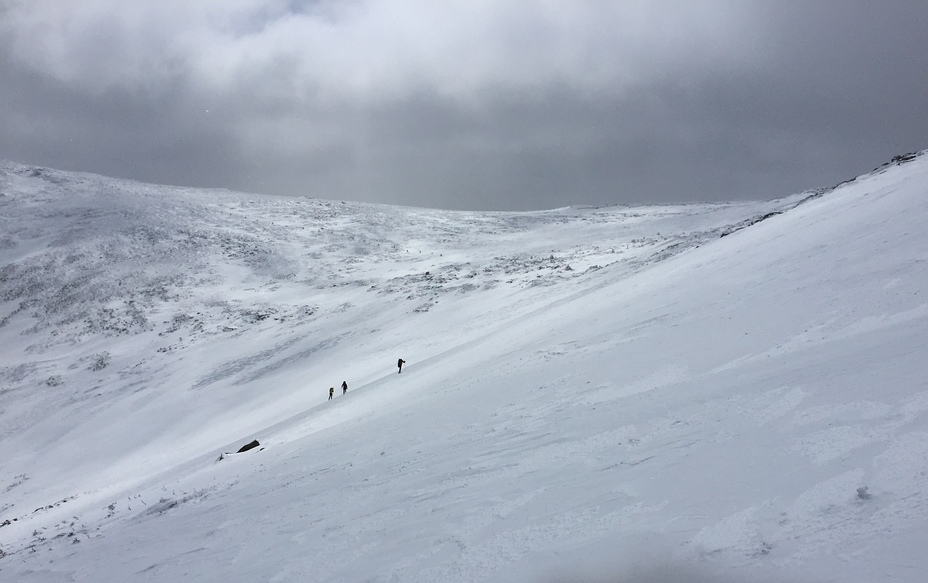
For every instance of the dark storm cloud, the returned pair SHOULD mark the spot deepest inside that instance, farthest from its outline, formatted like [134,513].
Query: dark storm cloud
[117,134]
[487,105]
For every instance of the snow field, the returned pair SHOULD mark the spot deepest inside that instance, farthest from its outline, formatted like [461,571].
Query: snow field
[678,404]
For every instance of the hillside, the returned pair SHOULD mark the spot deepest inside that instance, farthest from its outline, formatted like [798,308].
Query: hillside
[735,389]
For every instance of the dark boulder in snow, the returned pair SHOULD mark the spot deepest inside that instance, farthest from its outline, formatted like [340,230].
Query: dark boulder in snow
[248,446]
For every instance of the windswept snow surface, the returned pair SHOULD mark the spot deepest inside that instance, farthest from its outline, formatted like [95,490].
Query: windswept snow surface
[593,394]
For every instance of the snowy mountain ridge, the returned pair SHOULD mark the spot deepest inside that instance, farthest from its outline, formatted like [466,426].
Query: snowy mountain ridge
[568,371]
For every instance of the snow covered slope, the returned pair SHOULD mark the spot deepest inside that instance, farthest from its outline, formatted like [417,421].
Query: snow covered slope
[734,389]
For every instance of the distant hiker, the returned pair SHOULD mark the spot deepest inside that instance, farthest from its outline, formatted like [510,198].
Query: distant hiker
[344,387]
[400,363]
[331,392]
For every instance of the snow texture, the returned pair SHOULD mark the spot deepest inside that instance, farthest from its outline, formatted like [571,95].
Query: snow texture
[705,392]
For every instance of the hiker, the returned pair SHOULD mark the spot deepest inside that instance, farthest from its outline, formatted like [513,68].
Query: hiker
[331,392]
[400,364]
[344,387]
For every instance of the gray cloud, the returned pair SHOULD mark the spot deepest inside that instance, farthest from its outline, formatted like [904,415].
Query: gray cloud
[477,104]
[367,52]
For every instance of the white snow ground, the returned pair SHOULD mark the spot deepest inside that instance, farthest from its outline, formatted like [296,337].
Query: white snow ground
[675,406]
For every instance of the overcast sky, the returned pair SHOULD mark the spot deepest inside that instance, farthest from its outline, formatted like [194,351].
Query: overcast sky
[469,104]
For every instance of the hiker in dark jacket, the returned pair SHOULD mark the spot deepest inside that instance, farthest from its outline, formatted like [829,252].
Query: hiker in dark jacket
[344,387]
[331,392]
[400,364]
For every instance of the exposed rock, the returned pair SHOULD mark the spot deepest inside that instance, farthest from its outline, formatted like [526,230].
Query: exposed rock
[248,446]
